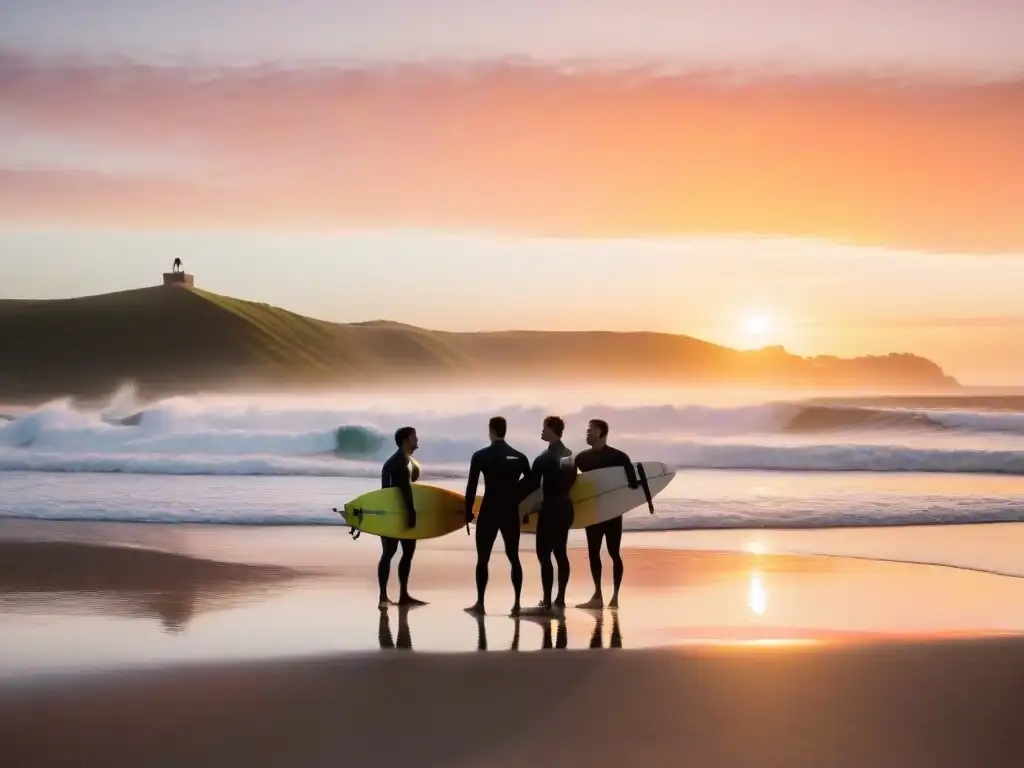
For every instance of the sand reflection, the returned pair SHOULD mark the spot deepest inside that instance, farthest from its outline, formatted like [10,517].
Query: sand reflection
[83,579]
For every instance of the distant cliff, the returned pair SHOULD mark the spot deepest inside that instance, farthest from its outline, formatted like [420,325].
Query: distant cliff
[181,340]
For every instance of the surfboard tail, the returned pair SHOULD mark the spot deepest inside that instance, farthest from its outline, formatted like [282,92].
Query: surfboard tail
[354,532]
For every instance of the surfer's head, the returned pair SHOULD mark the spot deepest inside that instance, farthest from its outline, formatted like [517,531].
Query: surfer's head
[497,428]
[406,440]
[554,426]
[597,433]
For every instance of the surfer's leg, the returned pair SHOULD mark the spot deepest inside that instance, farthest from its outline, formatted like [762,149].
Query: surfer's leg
[595,534]
[547,571]
[486,533]
[613,535]
[404,569]
[510,535]
[560,550]
[388,549]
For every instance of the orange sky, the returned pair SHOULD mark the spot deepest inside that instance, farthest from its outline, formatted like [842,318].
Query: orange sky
[520,149]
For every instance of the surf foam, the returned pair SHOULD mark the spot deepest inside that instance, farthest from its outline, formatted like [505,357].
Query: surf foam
[232,436]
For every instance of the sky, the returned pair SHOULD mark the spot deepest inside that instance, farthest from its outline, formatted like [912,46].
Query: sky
[831,175]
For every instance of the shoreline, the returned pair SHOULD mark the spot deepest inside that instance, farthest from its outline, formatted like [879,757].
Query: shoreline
[266,648]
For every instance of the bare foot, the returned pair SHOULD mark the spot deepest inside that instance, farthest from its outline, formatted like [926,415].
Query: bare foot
[514,613]
[614,604]
[593,603]
[541,611]
[384,602]
[410,602]
[558,610]
[475,610]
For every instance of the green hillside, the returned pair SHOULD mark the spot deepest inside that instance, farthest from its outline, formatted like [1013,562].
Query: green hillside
[178,340]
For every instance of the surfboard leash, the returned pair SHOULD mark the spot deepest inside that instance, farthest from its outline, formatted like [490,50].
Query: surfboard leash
[352,530]
[645,485]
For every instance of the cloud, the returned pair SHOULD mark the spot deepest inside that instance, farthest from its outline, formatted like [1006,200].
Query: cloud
[525,148]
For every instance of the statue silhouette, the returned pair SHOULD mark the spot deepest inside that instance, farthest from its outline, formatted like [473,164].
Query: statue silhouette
[176,267]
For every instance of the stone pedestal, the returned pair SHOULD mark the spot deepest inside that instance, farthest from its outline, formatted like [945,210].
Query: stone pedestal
[178,278]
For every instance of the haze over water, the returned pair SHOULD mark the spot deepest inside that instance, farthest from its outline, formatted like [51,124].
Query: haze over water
[745,459]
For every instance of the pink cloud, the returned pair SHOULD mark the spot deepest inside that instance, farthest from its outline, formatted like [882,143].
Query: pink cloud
[527,148]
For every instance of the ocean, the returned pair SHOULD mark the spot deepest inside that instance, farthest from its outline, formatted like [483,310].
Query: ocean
[744,461]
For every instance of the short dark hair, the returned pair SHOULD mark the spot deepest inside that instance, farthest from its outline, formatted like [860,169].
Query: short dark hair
[402,434]
[498,425]
[556,424]
[602,427]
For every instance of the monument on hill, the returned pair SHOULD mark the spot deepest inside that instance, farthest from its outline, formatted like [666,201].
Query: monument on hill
[177,275]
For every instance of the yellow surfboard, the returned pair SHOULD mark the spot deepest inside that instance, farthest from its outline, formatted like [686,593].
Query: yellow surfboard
[439,511]
[598,495]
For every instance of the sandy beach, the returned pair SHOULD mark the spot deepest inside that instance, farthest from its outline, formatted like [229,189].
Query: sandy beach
[189,645]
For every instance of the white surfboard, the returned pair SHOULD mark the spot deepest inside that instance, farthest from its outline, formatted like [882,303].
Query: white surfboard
[602,494]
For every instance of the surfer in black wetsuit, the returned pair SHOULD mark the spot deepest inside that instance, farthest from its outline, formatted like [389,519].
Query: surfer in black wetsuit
[400,471]
[502,467]
[554,472]
[598,456]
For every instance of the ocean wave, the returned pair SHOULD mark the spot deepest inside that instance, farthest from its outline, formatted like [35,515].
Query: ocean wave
[246,437]
[444,463]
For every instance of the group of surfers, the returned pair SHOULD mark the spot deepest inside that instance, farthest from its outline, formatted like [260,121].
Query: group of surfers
[510,478]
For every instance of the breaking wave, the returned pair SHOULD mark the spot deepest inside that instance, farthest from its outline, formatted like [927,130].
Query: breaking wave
[210,436]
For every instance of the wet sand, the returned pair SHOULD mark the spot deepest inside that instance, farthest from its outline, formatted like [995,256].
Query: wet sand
[266,648]
[954,703]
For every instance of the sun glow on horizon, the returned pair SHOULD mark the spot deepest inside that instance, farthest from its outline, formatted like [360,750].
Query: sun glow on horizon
[757,329]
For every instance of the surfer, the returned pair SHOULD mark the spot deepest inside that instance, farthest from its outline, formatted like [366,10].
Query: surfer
[502,467]
[598,456]
[400,471]
[554,472]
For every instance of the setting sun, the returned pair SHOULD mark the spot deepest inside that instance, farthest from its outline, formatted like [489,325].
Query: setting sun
[757,327]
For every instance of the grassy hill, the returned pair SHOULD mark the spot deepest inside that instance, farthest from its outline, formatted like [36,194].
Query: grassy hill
[179,340]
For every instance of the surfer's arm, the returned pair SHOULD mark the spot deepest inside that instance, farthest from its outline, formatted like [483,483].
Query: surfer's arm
[531,482]
[627,463]
[471,484]
[524,465]
[404,483]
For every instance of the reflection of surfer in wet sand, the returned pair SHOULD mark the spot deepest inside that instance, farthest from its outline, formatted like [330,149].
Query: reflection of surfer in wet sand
[560,635]
[481,634]
[387,642]
[596,639]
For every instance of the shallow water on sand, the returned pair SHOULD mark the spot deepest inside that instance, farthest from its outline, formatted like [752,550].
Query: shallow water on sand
[155,611]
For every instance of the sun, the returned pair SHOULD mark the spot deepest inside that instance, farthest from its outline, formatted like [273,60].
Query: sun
[757,325]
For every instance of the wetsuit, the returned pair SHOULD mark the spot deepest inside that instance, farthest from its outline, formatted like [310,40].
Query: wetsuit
[555,472]
[502,467]
[610,530]
[399,471]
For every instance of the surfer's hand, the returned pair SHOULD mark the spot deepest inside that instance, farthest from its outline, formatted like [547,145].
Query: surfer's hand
[634,486]
[469,517]
[410,520]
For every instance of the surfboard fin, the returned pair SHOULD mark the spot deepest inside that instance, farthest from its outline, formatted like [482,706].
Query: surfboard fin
[642,477]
